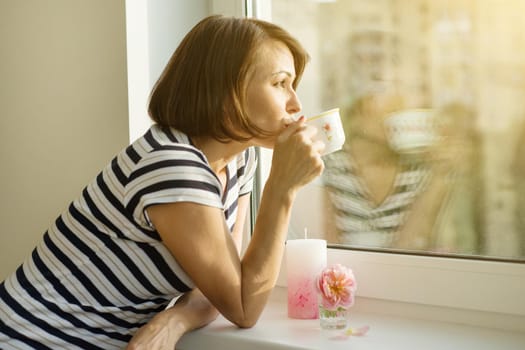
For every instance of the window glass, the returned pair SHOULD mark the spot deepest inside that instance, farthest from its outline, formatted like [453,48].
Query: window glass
[431,95]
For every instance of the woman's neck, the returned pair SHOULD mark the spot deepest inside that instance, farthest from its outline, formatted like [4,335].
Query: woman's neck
[217,153]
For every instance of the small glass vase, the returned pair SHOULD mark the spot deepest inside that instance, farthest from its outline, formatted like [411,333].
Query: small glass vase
[333,319]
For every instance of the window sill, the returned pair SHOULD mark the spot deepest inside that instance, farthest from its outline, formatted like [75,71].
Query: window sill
[276,331]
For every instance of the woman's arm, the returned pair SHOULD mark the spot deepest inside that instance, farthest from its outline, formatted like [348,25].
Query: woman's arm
[200,241]
[191,311]
[243,205]
[420,225]
[418,229]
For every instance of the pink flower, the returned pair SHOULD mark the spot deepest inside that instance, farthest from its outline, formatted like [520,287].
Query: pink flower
[337,286]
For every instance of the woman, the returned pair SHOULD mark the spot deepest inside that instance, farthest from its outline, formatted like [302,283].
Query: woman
[165,217]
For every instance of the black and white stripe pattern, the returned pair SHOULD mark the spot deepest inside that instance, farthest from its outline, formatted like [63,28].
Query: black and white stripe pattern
[101,270]
[359,221]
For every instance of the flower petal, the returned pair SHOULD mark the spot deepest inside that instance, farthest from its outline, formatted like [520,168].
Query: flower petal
[357,331]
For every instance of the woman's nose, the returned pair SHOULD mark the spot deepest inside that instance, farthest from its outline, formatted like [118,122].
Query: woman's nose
[294,105]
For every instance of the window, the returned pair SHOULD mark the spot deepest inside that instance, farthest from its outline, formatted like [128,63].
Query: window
[427,147]
[442,59]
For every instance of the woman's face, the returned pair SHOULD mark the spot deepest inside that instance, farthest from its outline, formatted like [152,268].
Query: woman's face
[271,101]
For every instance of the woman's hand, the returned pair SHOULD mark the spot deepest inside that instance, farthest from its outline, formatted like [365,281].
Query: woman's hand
[296,157]
[162,332]
[190,312]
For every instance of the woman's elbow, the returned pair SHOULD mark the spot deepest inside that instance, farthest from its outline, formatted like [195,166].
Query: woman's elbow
[246,323]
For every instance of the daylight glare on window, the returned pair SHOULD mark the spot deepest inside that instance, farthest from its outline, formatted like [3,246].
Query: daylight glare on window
[432,99]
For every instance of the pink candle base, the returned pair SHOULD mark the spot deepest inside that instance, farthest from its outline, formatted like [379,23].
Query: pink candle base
[305,258]
[302,299]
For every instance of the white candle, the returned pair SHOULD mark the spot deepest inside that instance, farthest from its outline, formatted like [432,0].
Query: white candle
[305,258]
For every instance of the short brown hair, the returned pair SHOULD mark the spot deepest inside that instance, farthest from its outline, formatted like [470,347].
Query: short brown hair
[201,92]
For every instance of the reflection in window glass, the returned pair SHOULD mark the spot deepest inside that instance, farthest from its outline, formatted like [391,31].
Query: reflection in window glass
[432,98]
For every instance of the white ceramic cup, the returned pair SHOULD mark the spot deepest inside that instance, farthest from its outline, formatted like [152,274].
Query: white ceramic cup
[411,130]
[330,130]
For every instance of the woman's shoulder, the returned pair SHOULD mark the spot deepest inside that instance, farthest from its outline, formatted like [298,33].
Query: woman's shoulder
[247,156]
[340,161]
[158,141]
[246,162]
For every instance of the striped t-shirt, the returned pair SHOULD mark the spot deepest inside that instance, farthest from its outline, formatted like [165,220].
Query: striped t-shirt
[101,270]
[358,220]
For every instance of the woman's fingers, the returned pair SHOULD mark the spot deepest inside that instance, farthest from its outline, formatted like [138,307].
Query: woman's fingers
[297,155]
[291,129]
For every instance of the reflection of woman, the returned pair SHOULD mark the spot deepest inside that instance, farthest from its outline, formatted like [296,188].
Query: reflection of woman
[378,197]
[369,188]
[165,216]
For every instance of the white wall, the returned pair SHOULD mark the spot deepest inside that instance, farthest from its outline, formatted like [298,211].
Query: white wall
[64,100]
[63,110]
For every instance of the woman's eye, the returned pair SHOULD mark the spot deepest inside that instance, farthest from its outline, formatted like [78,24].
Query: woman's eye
[281,83]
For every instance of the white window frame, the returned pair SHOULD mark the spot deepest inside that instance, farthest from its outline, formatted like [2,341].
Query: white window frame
[483,289]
